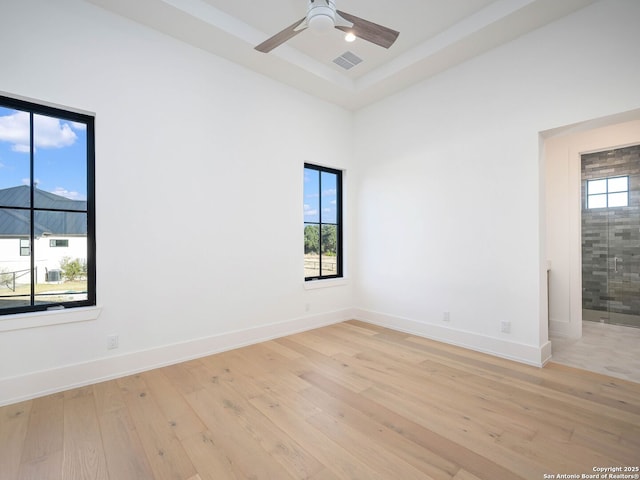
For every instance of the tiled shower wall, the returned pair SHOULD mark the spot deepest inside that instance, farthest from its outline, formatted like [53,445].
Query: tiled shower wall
[612,232]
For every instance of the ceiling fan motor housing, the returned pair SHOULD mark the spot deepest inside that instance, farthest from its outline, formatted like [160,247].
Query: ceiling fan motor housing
[321,15]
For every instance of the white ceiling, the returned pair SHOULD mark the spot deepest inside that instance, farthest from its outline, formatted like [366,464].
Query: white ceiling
[434,35]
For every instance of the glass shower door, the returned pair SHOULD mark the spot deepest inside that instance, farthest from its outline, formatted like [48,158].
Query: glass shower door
[611,236]
[623,237]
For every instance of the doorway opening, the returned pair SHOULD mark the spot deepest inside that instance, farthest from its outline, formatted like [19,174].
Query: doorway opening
[602,341]
[610,226]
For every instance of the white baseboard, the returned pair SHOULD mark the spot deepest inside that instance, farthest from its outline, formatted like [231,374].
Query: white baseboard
[45,382]
[528,354]
[545,353]
[560,329]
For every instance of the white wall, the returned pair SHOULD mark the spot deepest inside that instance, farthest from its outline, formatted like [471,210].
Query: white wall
[451,213]
[197,158]
[563,149]
[199,168]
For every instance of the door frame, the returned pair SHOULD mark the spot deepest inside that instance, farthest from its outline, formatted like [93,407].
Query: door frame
[562,150]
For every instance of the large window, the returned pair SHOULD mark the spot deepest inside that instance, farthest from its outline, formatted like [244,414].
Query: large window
[46,202]
[608,192]
[322,222]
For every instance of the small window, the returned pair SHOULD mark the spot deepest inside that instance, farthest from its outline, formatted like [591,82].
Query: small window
[322,222]
[58,243]
[25,247]
[608,192]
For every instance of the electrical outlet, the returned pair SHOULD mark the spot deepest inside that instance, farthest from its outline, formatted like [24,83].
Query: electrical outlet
[505,327]
[112,342]
[446,317]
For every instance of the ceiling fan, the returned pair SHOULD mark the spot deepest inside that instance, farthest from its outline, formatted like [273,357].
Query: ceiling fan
[322,16]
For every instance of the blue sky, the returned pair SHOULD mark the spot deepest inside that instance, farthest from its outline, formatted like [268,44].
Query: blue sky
[60,159]
[313,199]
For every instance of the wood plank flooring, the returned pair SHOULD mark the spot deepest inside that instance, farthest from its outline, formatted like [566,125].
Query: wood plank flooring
[348,401]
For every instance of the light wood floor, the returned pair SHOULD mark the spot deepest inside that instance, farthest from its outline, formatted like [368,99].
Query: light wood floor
[348,401]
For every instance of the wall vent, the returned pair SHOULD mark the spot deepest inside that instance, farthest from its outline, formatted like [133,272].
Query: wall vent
[347,60]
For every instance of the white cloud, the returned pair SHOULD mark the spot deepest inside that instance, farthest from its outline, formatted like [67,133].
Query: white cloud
[13,128]
[308,211]
[51,133]
[20,148]
[330,191]
[27,181]
[48,132]
[72,195]
[78,126]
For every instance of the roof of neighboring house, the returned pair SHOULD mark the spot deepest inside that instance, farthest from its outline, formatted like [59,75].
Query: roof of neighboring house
[15,223]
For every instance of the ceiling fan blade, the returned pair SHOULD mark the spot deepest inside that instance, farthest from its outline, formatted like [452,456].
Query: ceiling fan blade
[281,37]
[369,31]
[342,22]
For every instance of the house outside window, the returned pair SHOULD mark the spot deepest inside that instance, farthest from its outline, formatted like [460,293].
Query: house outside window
[323,228]
[46,202]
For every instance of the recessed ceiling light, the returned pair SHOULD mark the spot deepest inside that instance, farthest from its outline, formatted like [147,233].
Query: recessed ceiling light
[350,37]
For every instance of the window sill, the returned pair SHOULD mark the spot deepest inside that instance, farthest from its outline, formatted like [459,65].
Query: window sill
[327,283]
[22,321]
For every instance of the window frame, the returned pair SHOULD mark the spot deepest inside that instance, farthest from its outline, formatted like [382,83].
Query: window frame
[58,243]
[35,108]
[339,222]
[606,192]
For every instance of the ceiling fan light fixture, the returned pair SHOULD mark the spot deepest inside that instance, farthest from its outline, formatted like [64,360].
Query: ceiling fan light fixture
[350,37]
[320,23]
